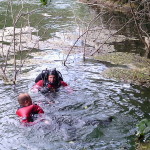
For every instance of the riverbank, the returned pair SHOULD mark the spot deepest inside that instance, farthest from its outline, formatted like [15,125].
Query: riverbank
[109,4]
[126,67]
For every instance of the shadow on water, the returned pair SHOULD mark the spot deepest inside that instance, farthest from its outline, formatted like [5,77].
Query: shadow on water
[77,120]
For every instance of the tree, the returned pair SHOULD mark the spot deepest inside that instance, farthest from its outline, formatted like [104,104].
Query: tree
[15,40]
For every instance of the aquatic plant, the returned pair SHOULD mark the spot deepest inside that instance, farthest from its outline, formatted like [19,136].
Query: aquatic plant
[134,69]
[143,130]
[44,2]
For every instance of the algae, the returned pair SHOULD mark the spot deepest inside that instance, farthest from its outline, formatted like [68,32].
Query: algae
[137,69]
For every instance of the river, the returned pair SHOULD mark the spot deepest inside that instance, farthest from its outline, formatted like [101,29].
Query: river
[93,98]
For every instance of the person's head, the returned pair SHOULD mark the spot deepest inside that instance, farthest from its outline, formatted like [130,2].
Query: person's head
[24,99]
[53,76]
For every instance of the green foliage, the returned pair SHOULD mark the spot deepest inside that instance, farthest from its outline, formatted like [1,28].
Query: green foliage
[143,130]
[44,2]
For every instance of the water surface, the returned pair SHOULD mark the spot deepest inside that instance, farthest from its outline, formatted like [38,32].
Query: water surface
[94,98]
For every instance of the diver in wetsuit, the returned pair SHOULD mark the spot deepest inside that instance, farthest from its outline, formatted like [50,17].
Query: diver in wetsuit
[49,81]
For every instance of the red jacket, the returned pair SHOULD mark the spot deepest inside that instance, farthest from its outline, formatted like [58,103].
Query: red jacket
[25,113]
[40,84]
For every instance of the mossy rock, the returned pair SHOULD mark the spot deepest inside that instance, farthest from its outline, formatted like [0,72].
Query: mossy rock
[121,58]
[143,146]
[137,70]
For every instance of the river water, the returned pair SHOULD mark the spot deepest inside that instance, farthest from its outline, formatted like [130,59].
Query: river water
[93,98]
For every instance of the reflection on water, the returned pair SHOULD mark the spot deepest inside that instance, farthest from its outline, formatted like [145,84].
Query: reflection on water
[94,98]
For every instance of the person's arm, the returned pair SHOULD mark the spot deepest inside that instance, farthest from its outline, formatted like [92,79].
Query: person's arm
[24,113]
[67,87]
[64,83]
[38,109]
[37,86]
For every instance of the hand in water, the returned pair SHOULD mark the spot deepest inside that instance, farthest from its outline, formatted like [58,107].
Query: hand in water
[44,90]
[35,89]
[69,89]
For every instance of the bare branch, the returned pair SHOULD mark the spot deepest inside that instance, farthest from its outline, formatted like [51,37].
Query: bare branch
[110,37]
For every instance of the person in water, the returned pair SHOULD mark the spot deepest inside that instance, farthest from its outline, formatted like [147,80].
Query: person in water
[49,81]
[27,109]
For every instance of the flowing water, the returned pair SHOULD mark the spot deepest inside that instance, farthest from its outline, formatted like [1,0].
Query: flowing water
[93,98]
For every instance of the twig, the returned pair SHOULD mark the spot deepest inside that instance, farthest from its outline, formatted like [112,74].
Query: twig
[79,38]
[110,37]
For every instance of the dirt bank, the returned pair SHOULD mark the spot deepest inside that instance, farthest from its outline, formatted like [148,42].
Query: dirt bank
[109,4]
